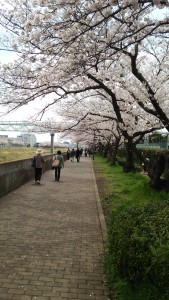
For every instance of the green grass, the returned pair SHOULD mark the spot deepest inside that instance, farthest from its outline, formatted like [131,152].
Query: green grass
[17,153]
[119,192]
[124,188]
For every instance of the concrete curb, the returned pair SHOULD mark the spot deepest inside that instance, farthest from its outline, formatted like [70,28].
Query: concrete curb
[100,210]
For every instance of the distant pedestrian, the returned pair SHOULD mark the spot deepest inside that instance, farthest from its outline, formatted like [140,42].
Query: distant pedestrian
[86,151]
[72,155]
[78,154]
[89,152]
[81,151]
[68,153]
[58,157]
[39,162]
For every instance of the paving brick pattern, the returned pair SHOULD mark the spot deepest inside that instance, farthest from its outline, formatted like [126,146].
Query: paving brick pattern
[51,242]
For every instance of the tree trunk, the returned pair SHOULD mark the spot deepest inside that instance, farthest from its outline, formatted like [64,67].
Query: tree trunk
[129,164]
[115,147]
[155,170]
[139,155]
[110,151]
[100,148]
[105,152]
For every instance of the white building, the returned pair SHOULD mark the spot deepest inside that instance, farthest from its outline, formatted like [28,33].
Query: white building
[28,139]
[4,140]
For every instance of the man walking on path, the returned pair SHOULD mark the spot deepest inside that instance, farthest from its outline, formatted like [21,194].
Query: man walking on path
[53,246]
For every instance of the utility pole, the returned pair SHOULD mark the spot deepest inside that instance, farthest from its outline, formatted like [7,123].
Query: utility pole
[52,142]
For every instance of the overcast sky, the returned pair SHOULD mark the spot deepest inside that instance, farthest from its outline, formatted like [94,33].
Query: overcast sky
[24,113]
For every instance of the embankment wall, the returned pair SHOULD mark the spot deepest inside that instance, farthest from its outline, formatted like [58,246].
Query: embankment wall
[15,173]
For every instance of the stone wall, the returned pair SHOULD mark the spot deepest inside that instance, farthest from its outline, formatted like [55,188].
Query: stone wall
[15,173]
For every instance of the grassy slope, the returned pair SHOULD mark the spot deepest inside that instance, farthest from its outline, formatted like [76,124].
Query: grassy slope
[118,191]
[17,153]
[118,188]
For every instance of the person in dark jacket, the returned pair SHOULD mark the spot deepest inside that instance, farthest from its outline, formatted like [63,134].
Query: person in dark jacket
[78,154]
[68,153]
[72,155]
[38,166]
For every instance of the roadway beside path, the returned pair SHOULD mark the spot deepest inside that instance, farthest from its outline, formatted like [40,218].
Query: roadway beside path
[52,238]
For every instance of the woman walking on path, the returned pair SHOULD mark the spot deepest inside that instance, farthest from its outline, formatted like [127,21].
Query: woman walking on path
[39,161]
[58,157]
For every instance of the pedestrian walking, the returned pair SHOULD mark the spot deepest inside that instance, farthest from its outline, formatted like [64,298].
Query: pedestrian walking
[89,152]
[39,162]
[86,151]
[78,154]
[68,153]
[60,159]
[81,151]
[72,155]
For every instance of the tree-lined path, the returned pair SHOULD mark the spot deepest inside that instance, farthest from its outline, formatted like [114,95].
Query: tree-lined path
[52,238]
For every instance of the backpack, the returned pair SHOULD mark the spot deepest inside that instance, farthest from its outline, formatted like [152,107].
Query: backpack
[33,162]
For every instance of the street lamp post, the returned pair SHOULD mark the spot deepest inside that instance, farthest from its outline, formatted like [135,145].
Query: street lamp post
[52,143]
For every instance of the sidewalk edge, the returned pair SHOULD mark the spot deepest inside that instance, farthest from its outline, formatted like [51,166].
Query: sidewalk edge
[100,210]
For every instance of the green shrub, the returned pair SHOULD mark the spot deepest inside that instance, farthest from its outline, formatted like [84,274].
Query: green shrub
[152,154]
[138,245]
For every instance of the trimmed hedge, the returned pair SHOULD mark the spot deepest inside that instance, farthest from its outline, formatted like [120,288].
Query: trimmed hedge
[138,243]
[150,153]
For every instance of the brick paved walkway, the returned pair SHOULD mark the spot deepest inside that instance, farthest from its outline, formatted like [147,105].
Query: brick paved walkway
[51,238]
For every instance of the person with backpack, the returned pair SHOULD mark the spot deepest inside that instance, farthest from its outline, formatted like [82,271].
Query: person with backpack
[59,166]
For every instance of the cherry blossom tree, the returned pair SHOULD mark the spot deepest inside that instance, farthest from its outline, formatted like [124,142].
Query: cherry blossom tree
[97,114]
[77,47]
[59,42]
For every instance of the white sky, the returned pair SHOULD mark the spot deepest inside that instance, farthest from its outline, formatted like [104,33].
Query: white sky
[24,113]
